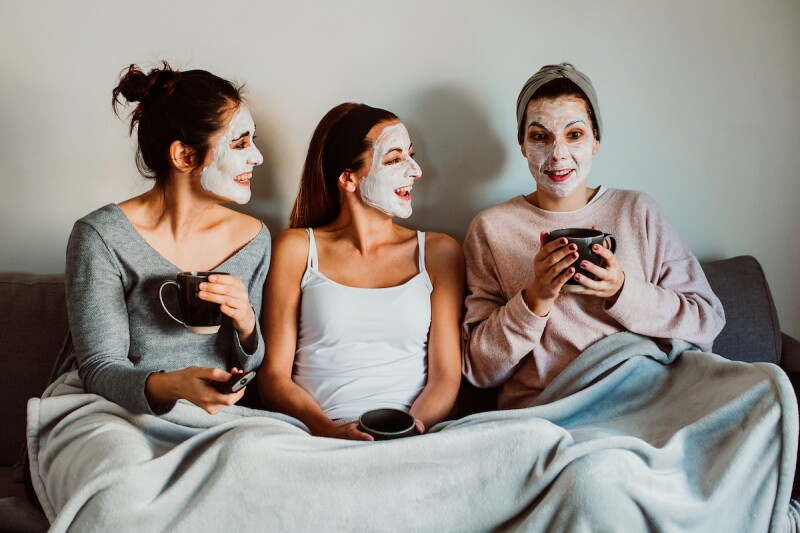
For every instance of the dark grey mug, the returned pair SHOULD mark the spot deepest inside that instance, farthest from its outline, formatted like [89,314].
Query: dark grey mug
[584,239]
[386,423]
[199,316]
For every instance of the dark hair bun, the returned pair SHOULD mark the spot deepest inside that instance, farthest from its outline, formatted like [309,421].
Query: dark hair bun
[136,86]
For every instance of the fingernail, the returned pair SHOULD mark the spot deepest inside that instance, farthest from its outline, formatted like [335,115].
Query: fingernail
[573,247]
[584,264]
[212,278]
[563,241]
[595,247]
[202,294]
[577,276]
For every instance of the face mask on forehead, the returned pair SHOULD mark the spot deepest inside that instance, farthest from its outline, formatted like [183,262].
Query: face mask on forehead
[561,164]
[229,173]
[388,185]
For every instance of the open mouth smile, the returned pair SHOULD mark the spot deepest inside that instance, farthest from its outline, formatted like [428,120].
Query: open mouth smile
[404,192]
[243,179]
[560,175]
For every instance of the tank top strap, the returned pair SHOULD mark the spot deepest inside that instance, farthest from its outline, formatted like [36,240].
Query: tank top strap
[312,262]
[421,246]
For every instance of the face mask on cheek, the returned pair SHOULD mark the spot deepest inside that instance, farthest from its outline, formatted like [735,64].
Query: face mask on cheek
[557,156]
[387,187]
[229,173]
[537,165]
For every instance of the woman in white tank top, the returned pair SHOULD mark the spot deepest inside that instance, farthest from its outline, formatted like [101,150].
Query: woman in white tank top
[363,313]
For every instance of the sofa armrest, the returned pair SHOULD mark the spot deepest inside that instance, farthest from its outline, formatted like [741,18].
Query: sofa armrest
[752,332]
[790,353]
[33,326]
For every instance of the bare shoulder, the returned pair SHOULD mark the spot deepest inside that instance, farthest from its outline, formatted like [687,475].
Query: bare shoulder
[442,245]
[290,247]
[443,253]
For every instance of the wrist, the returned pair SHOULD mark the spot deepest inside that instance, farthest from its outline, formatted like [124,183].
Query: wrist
[322,427]
[160,388]
[614,297]
[246,327]
[538,306]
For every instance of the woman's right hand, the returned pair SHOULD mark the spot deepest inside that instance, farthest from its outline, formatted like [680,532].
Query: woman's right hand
[343,431]
[193,384]
[551,268]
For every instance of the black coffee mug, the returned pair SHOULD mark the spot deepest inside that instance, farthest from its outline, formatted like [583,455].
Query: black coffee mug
[386,423]
[199,316]
[584,239]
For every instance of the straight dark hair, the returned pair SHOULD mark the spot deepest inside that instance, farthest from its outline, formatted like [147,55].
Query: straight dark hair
[318,202]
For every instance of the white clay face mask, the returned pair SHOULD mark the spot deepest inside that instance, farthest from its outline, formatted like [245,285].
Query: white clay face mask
[560,145]
[388,185]
[230,171]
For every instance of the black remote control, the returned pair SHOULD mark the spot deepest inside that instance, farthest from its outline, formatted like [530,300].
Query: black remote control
[235,384]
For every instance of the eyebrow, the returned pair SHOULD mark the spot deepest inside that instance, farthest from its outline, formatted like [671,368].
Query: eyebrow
[243,135]
[398,149]
[539,124]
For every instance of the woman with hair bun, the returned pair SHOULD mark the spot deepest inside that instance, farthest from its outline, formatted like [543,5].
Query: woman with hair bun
[365,313]
[195,142]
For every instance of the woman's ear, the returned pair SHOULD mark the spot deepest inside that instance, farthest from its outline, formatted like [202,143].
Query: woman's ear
[348,181]
[596,146]
[182,156]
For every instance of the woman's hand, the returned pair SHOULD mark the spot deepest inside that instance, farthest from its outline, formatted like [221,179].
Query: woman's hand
[610,276]
[234,301]
[419,427]
[193,384]
[551,268]
[343,431]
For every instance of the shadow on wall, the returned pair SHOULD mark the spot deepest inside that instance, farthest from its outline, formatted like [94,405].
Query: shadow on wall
[265,199]
[459,155]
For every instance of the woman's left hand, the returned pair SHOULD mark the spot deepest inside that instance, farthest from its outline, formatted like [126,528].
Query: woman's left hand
[419,427]
[610,276]
[234,301]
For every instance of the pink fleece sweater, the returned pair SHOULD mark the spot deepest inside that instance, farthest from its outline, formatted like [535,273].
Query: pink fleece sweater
[665,294]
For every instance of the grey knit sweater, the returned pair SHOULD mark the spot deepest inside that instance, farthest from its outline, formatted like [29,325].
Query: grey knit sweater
[120,332]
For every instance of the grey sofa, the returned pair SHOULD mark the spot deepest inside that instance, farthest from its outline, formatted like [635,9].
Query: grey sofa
[34,333]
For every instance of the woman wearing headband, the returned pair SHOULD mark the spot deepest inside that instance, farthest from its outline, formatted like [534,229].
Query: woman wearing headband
[364,313]
[522,329]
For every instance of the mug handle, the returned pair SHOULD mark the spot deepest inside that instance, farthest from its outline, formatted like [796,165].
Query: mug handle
[161,299]
[606,236]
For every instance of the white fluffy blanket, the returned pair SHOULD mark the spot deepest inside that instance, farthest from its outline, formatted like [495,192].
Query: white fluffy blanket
[630,437]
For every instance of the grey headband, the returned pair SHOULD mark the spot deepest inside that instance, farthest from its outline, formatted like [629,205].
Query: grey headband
[552,72]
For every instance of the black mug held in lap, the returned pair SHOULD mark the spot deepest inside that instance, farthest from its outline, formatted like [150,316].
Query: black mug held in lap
[584,239]
[386,423]
[199,316]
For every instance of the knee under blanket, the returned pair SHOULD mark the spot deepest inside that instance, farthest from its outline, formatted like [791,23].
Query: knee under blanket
[633,436]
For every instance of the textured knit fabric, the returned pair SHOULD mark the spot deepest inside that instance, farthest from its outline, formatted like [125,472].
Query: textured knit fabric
[665,294]
[362,348]
[120,332]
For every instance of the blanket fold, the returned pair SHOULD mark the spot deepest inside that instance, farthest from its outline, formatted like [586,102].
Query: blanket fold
[632,436]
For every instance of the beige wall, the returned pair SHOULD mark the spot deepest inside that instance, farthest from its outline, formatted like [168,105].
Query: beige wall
[701,103]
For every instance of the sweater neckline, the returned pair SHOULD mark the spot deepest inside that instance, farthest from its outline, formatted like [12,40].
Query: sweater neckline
[129,228]
[588,209]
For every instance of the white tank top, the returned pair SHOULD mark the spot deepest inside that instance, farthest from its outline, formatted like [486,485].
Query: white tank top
[362,348]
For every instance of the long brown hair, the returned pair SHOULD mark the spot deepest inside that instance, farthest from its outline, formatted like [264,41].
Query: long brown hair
[318,201]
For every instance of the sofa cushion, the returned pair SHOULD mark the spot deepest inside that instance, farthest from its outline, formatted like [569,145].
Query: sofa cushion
[30,339]
[752,332]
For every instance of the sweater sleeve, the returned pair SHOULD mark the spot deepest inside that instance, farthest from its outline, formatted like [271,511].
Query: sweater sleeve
[497,332]
[675,301]
[98,320]
[255,291]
